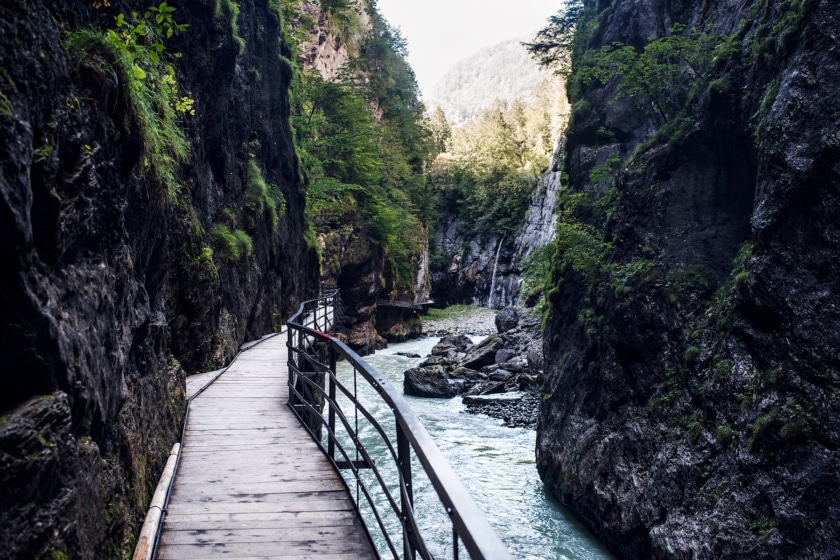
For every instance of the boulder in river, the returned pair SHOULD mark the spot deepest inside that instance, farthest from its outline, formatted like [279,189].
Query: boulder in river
[494,398]
[433,361]
[507,319]
[515,365]
[430,382]
[485,388]
[483,354]
[453,342]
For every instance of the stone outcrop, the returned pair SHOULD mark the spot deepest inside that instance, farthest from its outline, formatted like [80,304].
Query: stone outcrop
[376,309]
[469,264]
[429,381]
[111,285]
[692,383]
[497,365]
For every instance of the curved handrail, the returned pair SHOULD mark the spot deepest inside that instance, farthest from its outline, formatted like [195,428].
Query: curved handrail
[468,521]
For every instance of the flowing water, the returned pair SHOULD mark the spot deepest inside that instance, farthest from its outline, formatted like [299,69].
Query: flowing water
[495,463]
[493,277]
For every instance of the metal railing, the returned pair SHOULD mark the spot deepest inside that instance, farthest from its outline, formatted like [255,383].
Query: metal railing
[316,395]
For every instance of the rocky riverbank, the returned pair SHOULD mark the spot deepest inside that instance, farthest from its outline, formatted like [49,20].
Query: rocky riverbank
[499,376]
[461,320]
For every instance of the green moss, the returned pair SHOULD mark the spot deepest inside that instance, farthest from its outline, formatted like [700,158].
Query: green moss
[691,353]
[135,53]
[261,196]
[230,11]
[56,554]
[5,106]
[720,85]
[724,434]
[759,425]
[4,420]
[795,421]
[231,245]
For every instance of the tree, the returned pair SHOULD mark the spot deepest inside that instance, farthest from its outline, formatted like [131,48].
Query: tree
[552,46]
[663,73]
[441,131]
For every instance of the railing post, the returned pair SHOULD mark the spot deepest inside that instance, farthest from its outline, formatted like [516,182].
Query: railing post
[331,419]
[406,499]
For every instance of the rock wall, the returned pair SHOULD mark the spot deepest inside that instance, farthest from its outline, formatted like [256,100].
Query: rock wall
[111,289]
[350,258]
[692,379]
[376,310]
[327,48]
[477,270]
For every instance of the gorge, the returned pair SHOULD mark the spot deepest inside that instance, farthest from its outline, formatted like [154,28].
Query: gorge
[174,187]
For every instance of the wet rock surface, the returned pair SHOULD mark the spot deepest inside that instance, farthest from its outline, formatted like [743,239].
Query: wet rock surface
[494,377]
[112,286]
[519,412]
[692,388]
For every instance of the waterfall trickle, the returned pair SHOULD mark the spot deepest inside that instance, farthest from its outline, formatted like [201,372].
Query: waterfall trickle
[493,278]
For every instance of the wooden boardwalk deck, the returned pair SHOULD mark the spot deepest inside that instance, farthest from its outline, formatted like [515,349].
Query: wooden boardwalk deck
[251,482]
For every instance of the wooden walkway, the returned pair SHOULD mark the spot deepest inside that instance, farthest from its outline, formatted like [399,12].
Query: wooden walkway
[251,482]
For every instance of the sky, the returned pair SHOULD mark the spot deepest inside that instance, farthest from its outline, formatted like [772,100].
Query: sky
[442,32]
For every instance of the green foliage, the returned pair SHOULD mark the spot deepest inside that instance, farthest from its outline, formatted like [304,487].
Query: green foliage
[691,353]
[57,553]
[552,46]
[135,55]
[493,165]
[606,171]
[537,267]
[261,196]
[581,249]
[231,245]
[724,434]
[363,142]
[663,73]
[758,426]
[440,129]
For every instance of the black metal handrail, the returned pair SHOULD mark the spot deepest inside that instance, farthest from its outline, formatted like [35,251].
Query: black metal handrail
[313,395]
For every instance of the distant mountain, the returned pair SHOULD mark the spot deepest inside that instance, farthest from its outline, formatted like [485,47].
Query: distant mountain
[503,71]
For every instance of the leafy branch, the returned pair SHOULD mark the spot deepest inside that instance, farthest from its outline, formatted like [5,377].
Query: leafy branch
[133,55]
[663,72]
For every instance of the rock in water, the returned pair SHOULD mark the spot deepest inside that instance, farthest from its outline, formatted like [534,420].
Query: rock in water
[456,342]
[484,354]
[430,382]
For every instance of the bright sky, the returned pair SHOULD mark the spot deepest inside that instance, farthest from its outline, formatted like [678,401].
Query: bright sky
[442,32]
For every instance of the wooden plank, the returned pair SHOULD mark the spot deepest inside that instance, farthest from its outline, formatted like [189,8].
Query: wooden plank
[262,507]
[209,447]
[236,555]
[243,488]
[313,495]
[255,535]
[272,550]
[250,476]
[281,519]
[251,482]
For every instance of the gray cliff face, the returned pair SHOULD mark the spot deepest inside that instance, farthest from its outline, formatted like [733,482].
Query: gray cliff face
[110,288]
[478,271]
[692,380]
